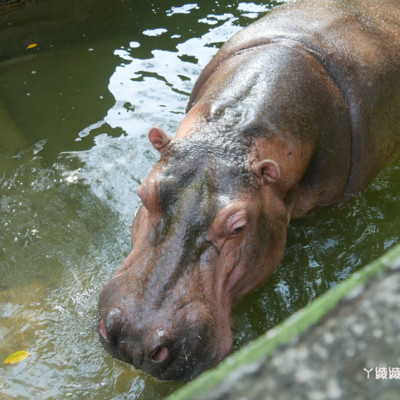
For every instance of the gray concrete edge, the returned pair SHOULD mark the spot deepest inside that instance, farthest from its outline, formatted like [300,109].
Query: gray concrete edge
[295,325]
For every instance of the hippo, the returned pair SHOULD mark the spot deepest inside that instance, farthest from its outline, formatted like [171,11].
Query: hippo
[297,112]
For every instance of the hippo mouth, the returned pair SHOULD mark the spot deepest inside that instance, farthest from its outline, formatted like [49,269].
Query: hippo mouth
[165,363]
[180,351]
[157,361]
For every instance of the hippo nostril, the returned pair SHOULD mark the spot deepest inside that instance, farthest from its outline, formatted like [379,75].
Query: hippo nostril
[102,329]
[160,354]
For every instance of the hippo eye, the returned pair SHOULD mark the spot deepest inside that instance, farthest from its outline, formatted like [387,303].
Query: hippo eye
[237,230]
[236,223]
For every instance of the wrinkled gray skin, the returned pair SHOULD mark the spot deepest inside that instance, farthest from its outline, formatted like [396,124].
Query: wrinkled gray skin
[296,112]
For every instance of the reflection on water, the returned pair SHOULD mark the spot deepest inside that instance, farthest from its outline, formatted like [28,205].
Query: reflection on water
[74,116]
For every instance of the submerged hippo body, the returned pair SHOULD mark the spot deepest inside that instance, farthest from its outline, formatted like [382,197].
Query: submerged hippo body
[297,111]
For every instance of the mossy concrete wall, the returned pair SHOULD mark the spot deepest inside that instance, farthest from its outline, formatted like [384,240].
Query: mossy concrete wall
[344,345]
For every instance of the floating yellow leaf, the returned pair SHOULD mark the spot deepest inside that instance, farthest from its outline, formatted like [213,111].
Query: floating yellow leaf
[31,46]
[16,357]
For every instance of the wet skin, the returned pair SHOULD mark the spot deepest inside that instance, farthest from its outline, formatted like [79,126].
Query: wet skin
[296,112]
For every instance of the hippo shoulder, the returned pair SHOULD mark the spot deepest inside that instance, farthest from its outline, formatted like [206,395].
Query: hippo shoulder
[358,44]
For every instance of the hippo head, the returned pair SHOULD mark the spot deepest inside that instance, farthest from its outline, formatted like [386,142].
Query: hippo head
[211,227]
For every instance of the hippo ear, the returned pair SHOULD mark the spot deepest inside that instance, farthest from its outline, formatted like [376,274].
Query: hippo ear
[158,138]
[267,171]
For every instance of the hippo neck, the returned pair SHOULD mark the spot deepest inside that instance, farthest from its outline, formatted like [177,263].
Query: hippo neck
[252,103]
[366,76]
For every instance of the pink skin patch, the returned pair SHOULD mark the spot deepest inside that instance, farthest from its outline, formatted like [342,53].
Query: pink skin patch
[160,354]
[103,331]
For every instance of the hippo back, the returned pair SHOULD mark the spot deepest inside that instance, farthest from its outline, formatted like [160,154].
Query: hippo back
[358,44]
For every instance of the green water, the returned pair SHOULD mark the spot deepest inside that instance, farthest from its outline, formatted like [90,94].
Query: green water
[74,116]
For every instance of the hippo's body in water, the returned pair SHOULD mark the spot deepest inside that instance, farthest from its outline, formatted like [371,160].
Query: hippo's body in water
[298,111]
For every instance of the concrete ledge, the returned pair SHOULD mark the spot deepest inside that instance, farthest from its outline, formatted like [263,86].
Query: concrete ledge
[344,345]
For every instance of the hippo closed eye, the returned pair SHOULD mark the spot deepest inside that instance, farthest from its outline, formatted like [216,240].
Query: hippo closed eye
[296,112]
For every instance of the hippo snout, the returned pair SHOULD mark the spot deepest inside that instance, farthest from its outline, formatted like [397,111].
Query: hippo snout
[169,343]
[153,350]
